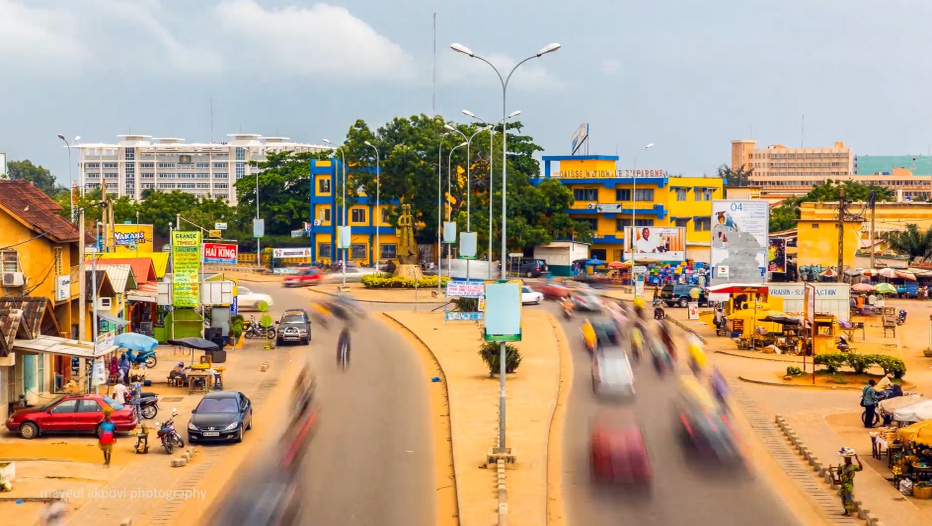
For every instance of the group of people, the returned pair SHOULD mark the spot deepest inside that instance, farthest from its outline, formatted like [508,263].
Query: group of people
[874,392]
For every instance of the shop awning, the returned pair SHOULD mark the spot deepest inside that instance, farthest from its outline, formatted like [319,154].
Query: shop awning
[738,288]
[140,296]
[112,319]
[61,346]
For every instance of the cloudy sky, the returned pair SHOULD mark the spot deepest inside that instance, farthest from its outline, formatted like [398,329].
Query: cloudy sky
[688,76]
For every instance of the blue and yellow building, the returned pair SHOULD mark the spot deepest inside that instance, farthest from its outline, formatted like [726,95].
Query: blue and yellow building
[364,219]
[605,198]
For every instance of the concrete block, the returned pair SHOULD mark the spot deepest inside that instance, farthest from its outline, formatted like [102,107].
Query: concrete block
[827,476]
[863,513]
[179,462]
[777,419]
[817,467]
[857,505]
[813,460]
[126,522]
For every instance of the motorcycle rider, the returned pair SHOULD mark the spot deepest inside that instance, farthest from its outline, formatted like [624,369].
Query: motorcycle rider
[666,336]
[697,358]
[567,307]
[639,307]
[344,340]
[719,387]
[304,388]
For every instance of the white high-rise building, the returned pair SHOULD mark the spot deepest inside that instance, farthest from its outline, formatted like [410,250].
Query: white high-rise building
[139,162]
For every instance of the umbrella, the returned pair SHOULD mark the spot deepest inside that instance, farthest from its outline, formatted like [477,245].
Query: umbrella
[595,262]
[616,264]
[135,341]
[193,342]
[862,287]
[828,273]
[920,433]
[887,273]
[918,412]
[885,288]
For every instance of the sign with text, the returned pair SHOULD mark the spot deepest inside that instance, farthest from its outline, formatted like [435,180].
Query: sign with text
[809,297]
[776,255]
[739,239]
[258,227]
[465,289]
[133,238]
[220,226]
[608,174]
[658,243]
[579,138]
[464,316]
[186,265]
[220,253]
[344,237]
[281,253]
[214,234]
[449,232]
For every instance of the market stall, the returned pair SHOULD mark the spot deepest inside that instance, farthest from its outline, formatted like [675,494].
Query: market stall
[910,459]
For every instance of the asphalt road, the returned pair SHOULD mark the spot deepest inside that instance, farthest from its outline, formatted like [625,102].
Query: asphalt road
[372,459]
[684,491]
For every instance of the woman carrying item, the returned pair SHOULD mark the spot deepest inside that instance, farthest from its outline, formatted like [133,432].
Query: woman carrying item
[869,401]
[107,435]
[844,477]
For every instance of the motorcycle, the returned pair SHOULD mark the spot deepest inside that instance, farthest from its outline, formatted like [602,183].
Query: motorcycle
[167,434]
[659,312]
[146,358]
[901,317]
[255,330]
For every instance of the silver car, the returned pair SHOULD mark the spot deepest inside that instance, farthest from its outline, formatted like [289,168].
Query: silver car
[587,300]
[612,375]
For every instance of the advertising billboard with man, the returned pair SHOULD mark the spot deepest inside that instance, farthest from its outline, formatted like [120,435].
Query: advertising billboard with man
[659,243]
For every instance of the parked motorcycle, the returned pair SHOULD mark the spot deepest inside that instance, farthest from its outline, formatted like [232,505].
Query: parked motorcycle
[167,434]
[901,317]
[255,330]
[146,358]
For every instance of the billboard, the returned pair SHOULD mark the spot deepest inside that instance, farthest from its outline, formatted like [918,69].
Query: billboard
[133,238]
[186,265]
[280,253]
[661,243]
[776,255]
[220,253]
[579,137]
[740,229]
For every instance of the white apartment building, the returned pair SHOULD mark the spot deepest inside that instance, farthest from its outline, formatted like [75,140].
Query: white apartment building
[139,162]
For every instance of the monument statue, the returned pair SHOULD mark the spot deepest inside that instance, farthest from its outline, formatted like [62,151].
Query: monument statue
[407,246]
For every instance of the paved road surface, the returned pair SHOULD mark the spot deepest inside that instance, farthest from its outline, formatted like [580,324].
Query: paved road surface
[683,493]
[372,460]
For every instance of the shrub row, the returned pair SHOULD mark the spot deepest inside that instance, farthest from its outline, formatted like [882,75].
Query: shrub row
[862,362]
[387,281]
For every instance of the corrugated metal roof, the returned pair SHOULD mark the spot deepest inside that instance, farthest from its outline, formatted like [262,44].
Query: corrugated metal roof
[121,277]
[37,210]
[159,263]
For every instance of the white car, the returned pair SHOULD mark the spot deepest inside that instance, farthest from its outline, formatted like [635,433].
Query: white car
[612,376]
[247,299]
[528,296]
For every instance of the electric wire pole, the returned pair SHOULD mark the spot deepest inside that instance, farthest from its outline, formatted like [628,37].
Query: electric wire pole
[842,205]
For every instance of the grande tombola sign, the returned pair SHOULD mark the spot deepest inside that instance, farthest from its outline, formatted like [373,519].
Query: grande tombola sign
[186,265]
[739,240]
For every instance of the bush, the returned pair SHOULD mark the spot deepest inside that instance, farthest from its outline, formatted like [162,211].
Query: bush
[794,371]
[831,361]
[490,355]
[861,362]
[387,281]
[891,365]
[466,304]
[236,326]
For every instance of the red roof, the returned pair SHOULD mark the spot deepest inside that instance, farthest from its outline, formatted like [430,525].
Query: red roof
[38,211]
[143,269]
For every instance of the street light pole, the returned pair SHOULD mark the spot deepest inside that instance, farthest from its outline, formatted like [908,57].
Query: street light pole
[439,205]
[79,216]
[378,208]
[465,50]
[450,215]
[634,211]
[258,239]
[343,162]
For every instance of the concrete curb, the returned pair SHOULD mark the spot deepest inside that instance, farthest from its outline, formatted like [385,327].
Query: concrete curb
[502,494]
[824,472]
[333,295]
[563,350]
[739,355]
[777,384]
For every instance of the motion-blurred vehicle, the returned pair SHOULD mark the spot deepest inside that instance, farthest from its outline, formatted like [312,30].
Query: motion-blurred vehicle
[294,327]
[221,416]
[612,376]
[530,297]
[247,299]
[681,294]
[618,453]
[705,426]
[304,277]
[604,334]
[71,414]
[587,300]
[553,290]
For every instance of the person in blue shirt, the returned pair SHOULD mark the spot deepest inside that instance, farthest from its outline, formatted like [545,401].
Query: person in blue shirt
[869,401]
[107,435]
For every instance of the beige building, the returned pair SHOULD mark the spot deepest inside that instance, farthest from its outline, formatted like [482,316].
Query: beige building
[778,168]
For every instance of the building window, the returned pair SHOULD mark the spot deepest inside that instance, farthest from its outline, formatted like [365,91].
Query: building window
[166,165]
[815,225]
[323,250]
[644,194]
[703,194]
[703,224]
[680,194]
[147,165]
[323,186]
[131,154]
[358,215]
[388,251]
[221,166]
[681,223]
[643,222]
[111,165]
[203,185]
[111,175]
[202,165]
[221,176]
[620,224]
[221,186]
[10,260]
[146,175]
[167,186]
[325,215]
[358,251]
[240,154]
[593,223]
[240,170]
[586,194]
[623,194]
[91,165]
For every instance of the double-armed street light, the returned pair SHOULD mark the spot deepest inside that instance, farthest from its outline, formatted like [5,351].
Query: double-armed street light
[378,207]
[343,162]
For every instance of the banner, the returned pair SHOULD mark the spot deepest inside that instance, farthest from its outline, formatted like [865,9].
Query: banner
[776,255]
[739,239]
[133,238]
[220,253]
[660,243]
[280,253]
[465,289]
[186,265]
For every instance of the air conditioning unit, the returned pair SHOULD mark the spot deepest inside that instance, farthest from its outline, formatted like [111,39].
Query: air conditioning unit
[104,303]
[13,279]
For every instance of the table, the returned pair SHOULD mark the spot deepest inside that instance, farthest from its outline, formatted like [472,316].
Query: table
[204,375]
[877,447]
[849,333]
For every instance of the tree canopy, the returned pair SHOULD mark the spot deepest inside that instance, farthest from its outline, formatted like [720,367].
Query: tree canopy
[910,242]
[786,215]
[39,176]
[735,178]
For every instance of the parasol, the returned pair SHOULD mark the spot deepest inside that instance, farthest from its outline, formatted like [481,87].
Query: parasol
[135,341]
[193,342]
[828,273]
[920,432]
[616,264]
[885,288]
[891,405]
[862,287]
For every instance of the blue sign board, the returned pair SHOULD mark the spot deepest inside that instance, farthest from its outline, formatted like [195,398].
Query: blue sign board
[464,316]
[234,307]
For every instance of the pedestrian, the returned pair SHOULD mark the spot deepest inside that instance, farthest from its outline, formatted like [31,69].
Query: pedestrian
[719,318]
[869,401]
[844,477]
[124,368]
[107,435]
[119,393]
[53,513]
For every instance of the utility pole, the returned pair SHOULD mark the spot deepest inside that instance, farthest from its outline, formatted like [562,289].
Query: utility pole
[841,232]
[872,202]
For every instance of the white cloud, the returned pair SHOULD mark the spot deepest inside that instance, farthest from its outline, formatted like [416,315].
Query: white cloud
[611,66]
[322,39]
[461,70]
[37,34]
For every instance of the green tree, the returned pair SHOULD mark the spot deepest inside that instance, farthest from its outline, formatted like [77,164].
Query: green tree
[910,242]
[39,176]
[735,178]
[786,215]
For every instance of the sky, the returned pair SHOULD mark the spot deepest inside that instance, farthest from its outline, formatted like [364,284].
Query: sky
[686,76]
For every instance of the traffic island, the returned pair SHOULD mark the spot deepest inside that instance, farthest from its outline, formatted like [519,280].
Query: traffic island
[474,398]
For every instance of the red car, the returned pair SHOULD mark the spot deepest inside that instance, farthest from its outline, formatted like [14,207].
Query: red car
[304,277]
[553,290]
[618,451]
[71,413]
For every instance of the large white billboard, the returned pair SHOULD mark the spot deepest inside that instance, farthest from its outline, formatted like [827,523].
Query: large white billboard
[660,243]
[739,240]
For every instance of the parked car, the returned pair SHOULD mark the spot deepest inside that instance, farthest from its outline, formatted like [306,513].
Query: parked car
[618,453]
[529,296]
[71,414]
[221,416]
[532,268]
[247,299]
[304,277]
[294,327]
[612,376]
[681,295]
[553,290]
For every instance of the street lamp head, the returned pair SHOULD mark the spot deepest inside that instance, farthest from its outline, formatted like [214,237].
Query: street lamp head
[467,112]
[460,48]
[651,145]
[367,143]
[327,141]
[76,138]
[464,143]
[448,127]
[514,114]
[549,49]
[60,136]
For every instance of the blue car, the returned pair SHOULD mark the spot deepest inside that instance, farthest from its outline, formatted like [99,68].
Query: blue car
[220,416]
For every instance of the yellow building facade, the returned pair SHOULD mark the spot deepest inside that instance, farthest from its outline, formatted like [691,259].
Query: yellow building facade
[610,199]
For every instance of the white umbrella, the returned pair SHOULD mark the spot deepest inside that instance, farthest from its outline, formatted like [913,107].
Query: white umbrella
[914,413]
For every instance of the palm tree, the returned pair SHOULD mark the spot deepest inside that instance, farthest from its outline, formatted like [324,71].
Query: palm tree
[735,178]
[910,242]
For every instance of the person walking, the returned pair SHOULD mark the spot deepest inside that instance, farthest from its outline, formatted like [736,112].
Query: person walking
[107,435]
[844,477]
[53,513]
[869,401]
